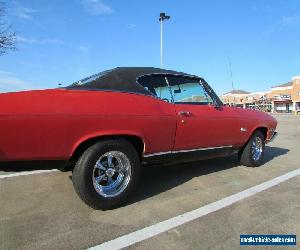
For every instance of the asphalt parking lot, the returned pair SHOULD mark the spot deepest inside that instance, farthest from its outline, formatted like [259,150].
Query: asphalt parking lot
[42,211]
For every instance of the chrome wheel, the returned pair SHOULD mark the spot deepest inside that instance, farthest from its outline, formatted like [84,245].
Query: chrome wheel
[111,174]
[257,148]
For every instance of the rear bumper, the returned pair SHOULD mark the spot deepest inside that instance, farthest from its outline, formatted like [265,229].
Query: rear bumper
[272,137]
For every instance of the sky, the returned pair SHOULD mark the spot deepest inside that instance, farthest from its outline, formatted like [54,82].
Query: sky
[64,41]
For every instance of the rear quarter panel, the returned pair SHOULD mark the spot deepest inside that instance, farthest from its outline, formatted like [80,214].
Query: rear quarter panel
[50,124]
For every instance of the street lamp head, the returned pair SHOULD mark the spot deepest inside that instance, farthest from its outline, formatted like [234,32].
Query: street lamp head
[162,17]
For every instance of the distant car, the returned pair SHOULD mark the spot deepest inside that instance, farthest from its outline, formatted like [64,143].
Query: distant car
[110,124]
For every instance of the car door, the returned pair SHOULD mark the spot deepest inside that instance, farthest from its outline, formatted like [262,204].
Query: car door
[161,127]
[200,124]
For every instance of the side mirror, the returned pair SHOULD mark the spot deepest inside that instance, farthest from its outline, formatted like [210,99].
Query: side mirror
[177,91]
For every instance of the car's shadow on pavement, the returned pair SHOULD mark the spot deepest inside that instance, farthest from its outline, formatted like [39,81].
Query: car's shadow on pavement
[30,166]
[158,179]
[200,167]
[273,152]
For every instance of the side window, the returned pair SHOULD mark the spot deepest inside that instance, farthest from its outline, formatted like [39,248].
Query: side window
[188,91]
[157,85]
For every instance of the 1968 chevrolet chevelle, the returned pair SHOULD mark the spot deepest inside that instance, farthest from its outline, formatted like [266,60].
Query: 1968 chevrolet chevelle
[111,123]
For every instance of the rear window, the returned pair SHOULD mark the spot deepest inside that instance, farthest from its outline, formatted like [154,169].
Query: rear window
[90,79]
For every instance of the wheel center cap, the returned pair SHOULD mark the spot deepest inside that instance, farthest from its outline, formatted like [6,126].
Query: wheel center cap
[110,172]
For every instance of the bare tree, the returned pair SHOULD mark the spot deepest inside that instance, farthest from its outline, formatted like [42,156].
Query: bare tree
[7,36]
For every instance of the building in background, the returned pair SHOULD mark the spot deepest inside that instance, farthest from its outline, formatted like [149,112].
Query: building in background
[244,99]
[235,97]
[296,93]
[280,95]
[284,98]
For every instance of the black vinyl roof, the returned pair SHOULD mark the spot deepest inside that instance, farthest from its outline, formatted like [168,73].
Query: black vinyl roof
[122,79]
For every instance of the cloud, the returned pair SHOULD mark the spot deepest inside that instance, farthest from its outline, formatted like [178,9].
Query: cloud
[51,41]
[10,82]
[2,72]
[286,22]
[41,41]
[20,11]
[97,7]
[131,26]
[269,31]
[82,48]
[291,20]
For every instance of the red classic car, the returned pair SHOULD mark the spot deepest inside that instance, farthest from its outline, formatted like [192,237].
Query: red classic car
[111,123]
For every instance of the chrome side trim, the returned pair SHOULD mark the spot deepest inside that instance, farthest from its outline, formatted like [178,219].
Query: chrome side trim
[159,153]
[199,149]
[187,150]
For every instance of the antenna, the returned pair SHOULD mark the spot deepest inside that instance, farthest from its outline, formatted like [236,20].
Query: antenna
[230,68]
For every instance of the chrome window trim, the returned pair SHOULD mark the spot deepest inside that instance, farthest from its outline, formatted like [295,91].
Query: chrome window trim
[201,81]
[186,150]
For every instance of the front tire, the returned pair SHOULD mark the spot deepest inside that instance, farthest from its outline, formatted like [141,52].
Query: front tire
[107,173]
[252,153]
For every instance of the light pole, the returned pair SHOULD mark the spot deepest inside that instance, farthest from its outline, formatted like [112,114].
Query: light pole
[162,17]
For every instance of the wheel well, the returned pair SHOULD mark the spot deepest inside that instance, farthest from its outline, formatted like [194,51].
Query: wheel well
[264,130]
[136,141]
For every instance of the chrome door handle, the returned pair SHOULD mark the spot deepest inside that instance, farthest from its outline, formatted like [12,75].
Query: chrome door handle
[184,113]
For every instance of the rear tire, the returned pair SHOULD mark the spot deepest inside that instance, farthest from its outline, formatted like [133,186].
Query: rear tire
[252,153]
[107,173]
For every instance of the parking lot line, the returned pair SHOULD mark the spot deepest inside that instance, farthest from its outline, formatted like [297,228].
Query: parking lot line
[153,230]
[27,173]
